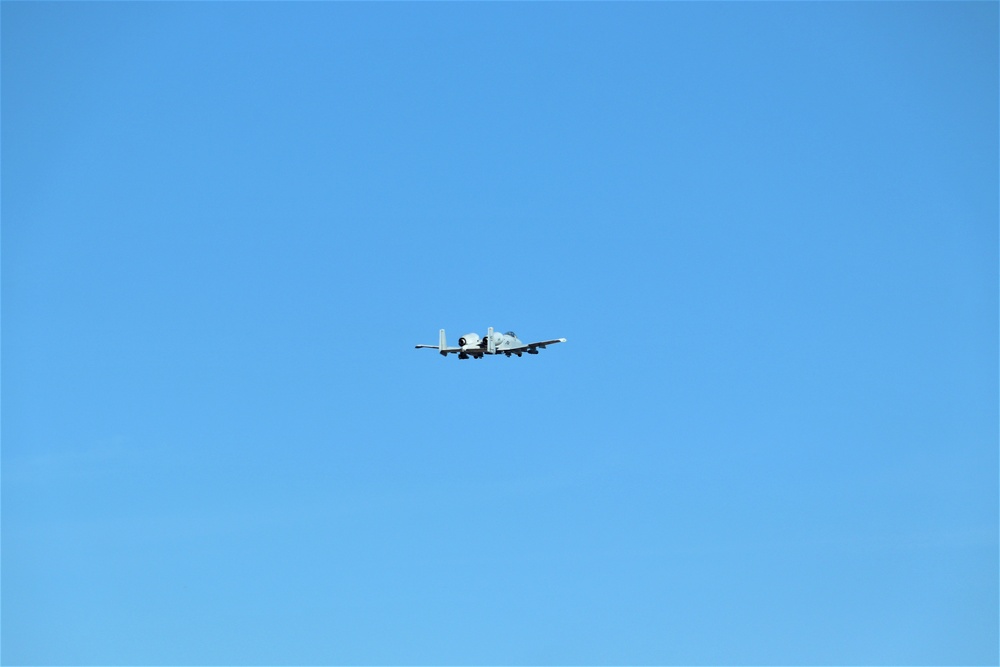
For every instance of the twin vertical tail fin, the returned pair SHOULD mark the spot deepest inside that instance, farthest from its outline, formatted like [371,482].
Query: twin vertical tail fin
[441,344]
[491,346]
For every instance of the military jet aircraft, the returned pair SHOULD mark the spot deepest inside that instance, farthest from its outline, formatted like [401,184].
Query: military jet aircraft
[471,345]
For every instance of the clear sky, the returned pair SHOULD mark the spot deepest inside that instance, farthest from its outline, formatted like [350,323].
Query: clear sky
[769,232]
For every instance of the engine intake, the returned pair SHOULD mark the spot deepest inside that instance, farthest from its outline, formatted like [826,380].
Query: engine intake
[469,340]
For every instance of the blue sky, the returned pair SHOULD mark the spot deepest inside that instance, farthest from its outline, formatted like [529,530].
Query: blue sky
[768,231]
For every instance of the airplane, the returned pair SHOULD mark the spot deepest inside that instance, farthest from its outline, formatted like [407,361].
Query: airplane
[471,345]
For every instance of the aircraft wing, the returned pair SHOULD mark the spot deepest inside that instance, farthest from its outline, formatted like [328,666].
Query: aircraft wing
[534,347]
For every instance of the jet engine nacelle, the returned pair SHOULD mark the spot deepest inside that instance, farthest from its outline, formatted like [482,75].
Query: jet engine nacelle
[469,340]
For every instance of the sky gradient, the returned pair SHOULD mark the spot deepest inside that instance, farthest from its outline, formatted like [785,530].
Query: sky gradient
[769,232]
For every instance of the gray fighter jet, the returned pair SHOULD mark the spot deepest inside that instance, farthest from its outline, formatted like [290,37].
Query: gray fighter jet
[471,345]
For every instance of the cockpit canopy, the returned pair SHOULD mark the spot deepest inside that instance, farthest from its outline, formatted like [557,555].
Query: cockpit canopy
[511,334]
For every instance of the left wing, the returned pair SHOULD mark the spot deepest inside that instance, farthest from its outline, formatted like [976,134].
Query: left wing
[532,348]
